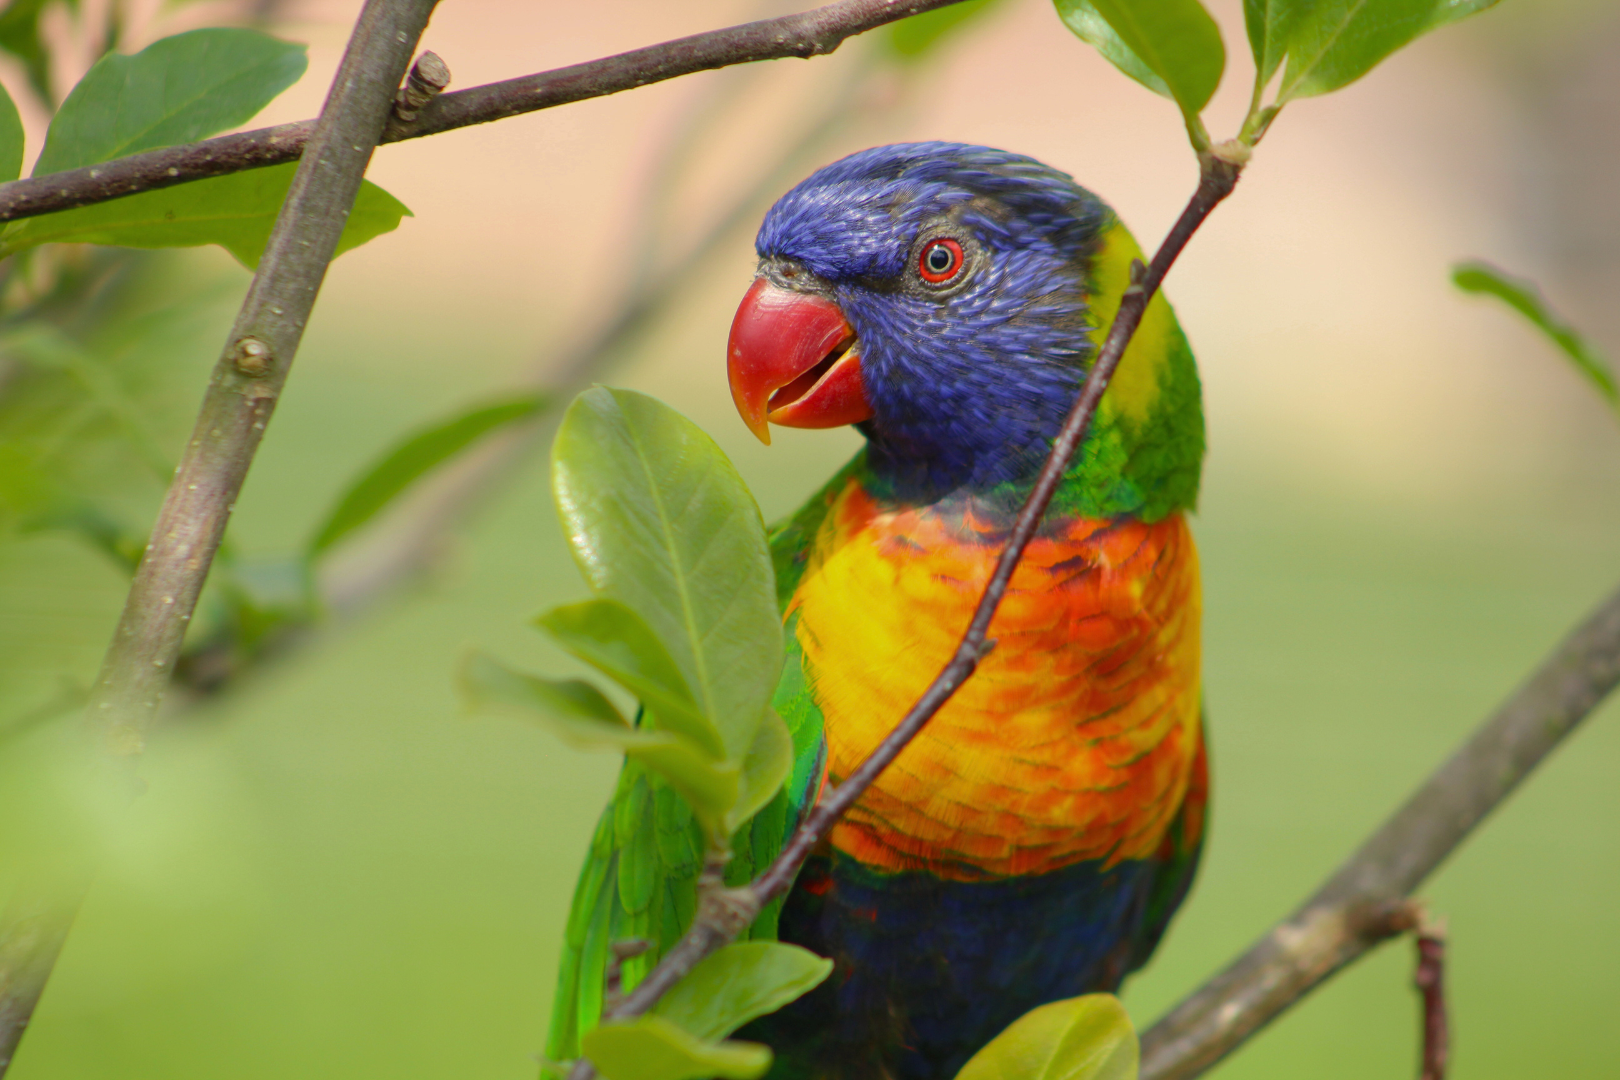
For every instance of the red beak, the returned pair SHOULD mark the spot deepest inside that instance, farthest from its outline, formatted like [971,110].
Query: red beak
[793,360]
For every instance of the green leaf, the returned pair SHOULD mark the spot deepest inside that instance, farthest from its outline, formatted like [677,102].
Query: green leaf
[916,37]
[1332,43]
[19,36]
[1523,296]
[11,138]
[652,1048]
[660,521]
[175,91]
[1268,23]
[618,642]
[764,770]
[582,714]
[737,983]
[235,212]
[418,454]
[710,786]
[1083,1038]
[1172,47]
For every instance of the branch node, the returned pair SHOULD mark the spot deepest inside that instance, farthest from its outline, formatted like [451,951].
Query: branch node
[428,78]
[1430,982]
[1379,920]
[730,911]
[1234,152]
[253,357]
[613,978]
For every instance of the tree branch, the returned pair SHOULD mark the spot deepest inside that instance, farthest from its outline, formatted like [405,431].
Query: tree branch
[1351,913]
[725,913]
[807,34]
[241,395]
[1430,981]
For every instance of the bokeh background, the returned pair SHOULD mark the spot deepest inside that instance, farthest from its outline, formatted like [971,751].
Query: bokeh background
[1408,499]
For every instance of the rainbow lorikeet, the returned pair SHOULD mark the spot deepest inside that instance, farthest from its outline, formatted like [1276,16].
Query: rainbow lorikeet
[1034,840]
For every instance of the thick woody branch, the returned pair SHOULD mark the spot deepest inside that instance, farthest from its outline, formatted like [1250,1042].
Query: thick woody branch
[810,33]
[1350,914]
[241,395]
[251,371]
[732,910]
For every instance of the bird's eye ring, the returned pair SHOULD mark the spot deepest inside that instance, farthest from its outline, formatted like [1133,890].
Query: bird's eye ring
[941,260]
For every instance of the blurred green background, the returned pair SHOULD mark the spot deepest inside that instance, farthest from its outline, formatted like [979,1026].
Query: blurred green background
[1408,499]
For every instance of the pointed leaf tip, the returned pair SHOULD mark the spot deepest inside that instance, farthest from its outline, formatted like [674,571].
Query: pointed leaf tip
[1083,1038]
[1524,296]
[652,1048]
[660,522]
[1172,47]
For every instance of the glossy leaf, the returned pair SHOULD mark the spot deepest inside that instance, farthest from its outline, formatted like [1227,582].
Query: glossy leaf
[1332,43]
[1172,47]
[11,138]
[916,37]
[618,642]
[175,91]
[415,456]
[1268,23]
[739,982]
[710,786]
[660,521]
[584,712]
[582,716]
[235,212]
[1523,296]
[764,770]
[20,36]
[652,1048]
[1083,1038]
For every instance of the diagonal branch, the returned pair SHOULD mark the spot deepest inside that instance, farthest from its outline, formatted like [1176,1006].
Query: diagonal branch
[807,34]
[1361,905]
[724,913]
[241,395]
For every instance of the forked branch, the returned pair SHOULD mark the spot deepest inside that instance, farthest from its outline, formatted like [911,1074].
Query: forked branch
[243,391]
[1350,914]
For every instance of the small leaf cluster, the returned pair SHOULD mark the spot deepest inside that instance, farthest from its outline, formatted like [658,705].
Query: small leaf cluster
[684,1037]
[1174,48]
[683,618]
[684,613]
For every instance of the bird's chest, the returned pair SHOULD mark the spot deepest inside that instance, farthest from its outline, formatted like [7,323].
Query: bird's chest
[1074,739]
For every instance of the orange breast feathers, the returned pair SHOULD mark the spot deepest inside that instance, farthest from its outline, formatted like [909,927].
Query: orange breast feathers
[1076,738]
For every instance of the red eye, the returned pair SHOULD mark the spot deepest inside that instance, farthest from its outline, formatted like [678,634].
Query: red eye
[940,261]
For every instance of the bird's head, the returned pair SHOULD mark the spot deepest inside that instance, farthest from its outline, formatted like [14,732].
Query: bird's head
[938,296]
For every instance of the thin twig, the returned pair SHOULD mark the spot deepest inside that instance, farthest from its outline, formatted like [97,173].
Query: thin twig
[727,912]
[243,391]
[807,34]
[1332,929]
[1430,981]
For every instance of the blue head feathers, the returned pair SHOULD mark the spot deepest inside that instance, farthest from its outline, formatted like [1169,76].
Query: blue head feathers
[968,378]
